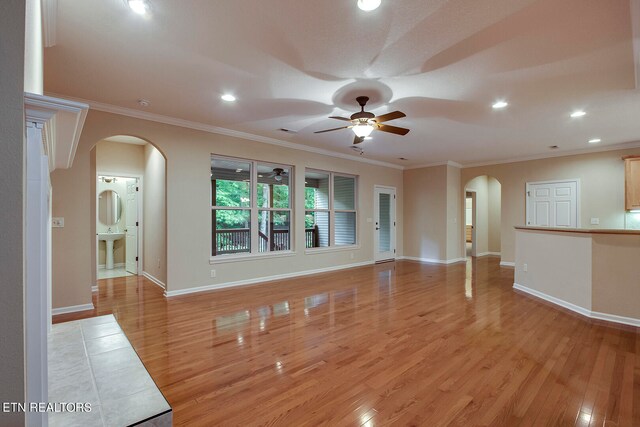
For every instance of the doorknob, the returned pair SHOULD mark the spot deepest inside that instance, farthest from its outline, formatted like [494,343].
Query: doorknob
[377,228]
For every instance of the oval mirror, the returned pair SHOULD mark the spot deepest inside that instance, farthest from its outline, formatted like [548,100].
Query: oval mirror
[109,207]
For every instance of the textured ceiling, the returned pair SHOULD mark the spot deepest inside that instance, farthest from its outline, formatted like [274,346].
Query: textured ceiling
[292,63]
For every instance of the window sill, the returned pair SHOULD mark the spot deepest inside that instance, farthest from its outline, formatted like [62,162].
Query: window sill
[311,251]
[221,259]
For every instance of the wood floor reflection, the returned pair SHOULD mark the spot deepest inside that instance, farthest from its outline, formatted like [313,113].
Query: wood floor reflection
[400,343]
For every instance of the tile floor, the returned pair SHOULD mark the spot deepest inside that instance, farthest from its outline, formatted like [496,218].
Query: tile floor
[92,361]
[115,272]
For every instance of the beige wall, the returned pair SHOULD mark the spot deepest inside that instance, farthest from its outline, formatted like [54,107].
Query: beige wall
[12,45]
[425,213]
[558,265]
[616,287]
[188,207]
[455,208]
[595,272]
[494,190]
[155,215]
[118,158]
[602,189]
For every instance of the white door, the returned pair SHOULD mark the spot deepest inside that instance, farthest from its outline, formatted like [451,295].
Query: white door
[385,224]
[131,249]
[553,204]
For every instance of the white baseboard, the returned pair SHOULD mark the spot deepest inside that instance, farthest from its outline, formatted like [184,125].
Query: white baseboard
[262,279]
[433,260]
[615,318]
[507,264]
[72,309]
[117,265]
[488,253]
[580,310]
[154,280]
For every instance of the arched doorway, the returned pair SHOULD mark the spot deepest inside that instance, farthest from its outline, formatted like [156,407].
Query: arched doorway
[482,212]
[130,209]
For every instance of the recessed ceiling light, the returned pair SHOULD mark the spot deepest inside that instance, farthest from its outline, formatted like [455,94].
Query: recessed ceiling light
[141,7]
[578,113]
[368,5]
[594,140]
[144,103]
[228,97]
[500,104]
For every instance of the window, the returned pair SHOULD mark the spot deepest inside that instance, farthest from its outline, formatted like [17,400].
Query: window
[251,207]
[330,209]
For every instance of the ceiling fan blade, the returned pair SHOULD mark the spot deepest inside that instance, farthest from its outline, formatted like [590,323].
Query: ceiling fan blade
[393,129]
[358,139]
[340,118]
[390,116]
[330,130]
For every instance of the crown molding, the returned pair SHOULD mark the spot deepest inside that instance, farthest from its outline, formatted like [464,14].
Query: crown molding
[49,22]
[159,118]
[603,148]
[430,165]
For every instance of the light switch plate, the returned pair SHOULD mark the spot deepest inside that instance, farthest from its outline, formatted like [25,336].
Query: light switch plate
[57,222]
[595,221]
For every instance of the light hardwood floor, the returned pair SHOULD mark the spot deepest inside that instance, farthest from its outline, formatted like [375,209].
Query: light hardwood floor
[400,343]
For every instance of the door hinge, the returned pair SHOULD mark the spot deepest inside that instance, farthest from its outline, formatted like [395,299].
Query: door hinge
[394,197]
[136,223]
[137,189]
[394,251]
[394,223]
[136,258]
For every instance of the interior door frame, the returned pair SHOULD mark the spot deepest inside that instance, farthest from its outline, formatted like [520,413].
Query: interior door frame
[393,238]
[527,197]
[474,221]
[140,217]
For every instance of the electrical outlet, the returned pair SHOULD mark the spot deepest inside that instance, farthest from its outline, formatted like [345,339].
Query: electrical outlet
[595,221]
[213,273]
[57,222]
[525,267]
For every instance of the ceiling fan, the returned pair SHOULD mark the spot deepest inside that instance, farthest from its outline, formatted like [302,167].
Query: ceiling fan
[363,122]
[278,173]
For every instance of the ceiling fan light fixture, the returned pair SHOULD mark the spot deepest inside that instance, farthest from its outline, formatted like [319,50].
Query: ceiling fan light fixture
[278,178]
[362,130]
[369,5]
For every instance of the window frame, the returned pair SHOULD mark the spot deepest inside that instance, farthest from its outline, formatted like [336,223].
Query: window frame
[332,212]
[254,210]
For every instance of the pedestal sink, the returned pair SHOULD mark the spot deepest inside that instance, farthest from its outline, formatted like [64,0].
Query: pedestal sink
[109,238]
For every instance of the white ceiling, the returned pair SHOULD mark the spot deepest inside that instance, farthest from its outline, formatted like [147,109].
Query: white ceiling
[293,63]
